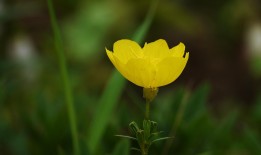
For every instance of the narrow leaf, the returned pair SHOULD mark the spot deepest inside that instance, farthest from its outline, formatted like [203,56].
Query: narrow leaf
[123,136]
[163,138]
[135,149]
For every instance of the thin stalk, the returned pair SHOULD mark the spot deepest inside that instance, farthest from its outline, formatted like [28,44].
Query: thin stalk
[147,110]
[65,79]
[144,150]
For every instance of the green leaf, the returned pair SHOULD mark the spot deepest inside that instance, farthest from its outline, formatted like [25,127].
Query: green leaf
[123,136]
[134,128]
[140,137]
[156,133]
[146,127]
[135,149]
[153,127]
[163,138]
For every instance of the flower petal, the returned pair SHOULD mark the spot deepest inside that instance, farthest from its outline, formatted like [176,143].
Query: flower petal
[157,49]
[126,49]
[169,69]
[141,72]
[153,66]
[138,71]
[110,55]
[178,51]
[119,65]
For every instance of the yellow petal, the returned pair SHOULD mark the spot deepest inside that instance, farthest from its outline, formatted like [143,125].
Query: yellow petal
[119,65]
[169,69]
[153,66]
[158,49]
[178,51]
[116,62]
[126,49]
[140,72]
[110,55]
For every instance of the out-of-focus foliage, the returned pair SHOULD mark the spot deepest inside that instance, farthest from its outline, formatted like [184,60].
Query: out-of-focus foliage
[222,116]
[90,24]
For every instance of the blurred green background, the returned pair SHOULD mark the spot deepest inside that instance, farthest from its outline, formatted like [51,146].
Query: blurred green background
[213,108]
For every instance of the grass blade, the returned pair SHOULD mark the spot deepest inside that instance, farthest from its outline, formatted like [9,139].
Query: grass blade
[65,79]
[105,108]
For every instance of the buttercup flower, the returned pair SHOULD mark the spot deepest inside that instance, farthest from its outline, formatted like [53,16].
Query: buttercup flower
[152,66]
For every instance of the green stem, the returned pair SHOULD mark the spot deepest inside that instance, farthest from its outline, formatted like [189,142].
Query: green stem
[144,150]
[147,110]
[65,79]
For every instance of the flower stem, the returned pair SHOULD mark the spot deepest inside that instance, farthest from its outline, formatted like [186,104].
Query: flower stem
[147,110]
[144,150]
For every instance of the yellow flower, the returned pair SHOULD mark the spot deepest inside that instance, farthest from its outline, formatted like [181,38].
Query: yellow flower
[152,66]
